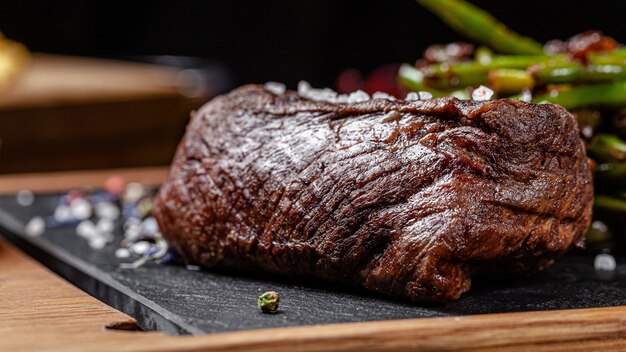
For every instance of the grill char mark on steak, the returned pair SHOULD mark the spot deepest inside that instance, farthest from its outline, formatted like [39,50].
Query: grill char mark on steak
[405,198]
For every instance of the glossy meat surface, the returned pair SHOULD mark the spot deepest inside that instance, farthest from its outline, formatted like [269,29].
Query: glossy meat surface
[409,199]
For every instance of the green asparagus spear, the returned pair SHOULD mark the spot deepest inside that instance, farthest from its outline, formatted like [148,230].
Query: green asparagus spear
[483,55]
[509,81]
[522,61]
[480,26]
[446,76]
[605,94]
[574,72]
[615,57]
[548,71]
[607,147]
[599,235]
[544,69]
[620,52]
[449,76]
[557,72]
[604,73]
[606,203]
[413,79]
[612,173]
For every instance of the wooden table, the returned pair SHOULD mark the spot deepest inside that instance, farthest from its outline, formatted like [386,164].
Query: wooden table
[77,113]
[40,311]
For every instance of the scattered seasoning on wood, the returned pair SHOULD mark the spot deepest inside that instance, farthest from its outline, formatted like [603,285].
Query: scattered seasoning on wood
[268,302]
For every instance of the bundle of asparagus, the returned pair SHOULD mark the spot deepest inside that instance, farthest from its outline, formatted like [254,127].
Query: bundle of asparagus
[585,74]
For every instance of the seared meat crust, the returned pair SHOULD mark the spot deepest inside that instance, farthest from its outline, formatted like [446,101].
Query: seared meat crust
[407,198]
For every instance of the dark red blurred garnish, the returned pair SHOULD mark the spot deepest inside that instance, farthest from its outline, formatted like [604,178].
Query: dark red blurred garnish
[579,46]
[349,80]
[591,41]
[382,79]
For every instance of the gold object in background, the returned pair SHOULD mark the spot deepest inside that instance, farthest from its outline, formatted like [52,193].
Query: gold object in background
[13,57]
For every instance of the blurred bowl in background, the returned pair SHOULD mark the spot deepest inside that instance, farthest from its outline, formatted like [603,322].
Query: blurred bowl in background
[197,78]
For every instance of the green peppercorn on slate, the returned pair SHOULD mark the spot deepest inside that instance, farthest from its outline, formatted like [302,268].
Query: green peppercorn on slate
[268,302]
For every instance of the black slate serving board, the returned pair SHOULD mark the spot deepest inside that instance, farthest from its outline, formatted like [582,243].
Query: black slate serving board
[179,301]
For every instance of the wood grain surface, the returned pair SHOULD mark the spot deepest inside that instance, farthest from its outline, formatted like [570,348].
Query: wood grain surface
[40,311]
[68,113]
[59,81]
[62,181]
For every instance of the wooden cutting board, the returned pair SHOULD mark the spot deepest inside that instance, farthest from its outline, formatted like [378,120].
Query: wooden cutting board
[41,311]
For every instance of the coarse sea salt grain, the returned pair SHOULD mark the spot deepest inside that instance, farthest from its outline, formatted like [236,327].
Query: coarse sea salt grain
[325,94]
[303,88]
[133,192]
[383,95]
[527,96]
[62,213]
[35,227]
[421,95]
[604,262]
[275,88]
[107,210]
[122,253]
[105,225]
[25,197]
[425,95]
[358,97]
[412,96]
[132,233]
[149,225]
[328,95]
[87,229]
[482,93]
[97,242]
[80,208]
[341,99]
[140,247]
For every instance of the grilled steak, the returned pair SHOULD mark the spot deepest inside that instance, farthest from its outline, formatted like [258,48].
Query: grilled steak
[407,198]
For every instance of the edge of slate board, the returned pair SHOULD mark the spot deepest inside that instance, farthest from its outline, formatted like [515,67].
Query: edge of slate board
[155,313]
[90,279]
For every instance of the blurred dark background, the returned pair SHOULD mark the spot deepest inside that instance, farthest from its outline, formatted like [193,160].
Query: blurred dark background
[279,40]
[67,113]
